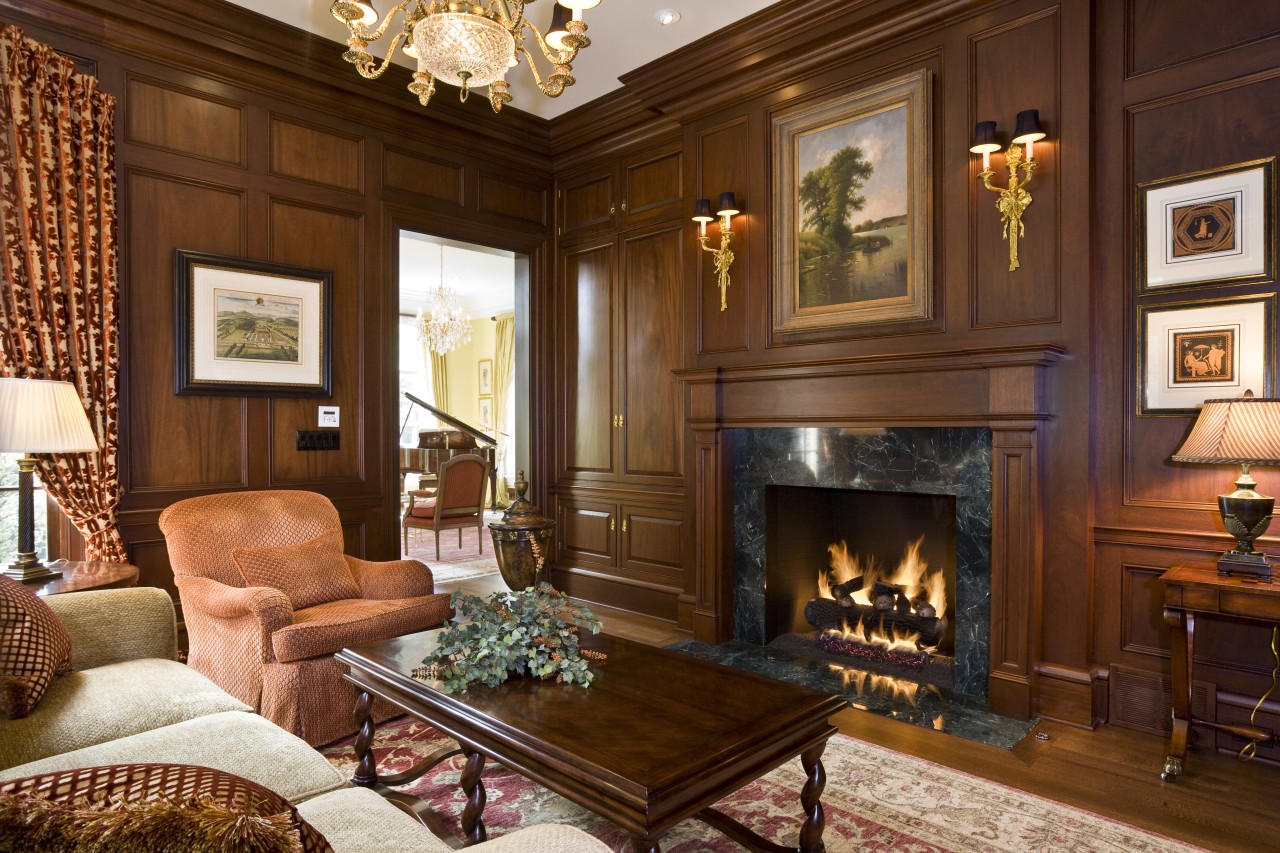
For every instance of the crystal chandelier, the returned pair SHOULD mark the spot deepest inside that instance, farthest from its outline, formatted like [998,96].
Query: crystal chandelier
[467,44]
[446,327]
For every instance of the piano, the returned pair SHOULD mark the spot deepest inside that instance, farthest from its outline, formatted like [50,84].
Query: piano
[437,445]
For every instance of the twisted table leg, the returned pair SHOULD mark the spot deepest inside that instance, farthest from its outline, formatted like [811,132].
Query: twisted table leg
[472,824]
[366,775]
[810,799]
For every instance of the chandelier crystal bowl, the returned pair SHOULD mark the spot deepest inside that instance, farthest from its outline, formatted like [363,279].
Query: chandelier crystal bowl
[467,44]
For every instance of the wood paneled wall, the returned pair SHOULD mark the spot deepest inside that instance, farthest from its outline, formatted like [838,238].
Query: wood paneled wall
[240,136]
[1178,92]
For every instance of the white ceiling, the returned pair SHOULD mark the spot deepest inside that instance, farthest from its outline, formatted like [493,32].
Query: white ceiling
[624,36]
[483,278]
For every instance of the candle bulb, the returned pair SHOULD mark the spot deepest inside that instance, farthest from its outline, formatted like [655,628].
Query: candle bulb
[986,161]
[702,227]
[1029,152]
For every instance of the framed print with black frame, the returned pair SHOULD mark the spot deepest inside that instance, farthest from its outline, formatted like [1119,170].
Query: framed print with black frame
[251,328]
[1214,227]
[852,201]
[1190,352]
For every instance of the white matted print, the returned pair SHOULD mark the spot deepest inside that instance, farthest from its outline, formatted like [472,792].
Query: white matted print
[1209,227]
[1192,352]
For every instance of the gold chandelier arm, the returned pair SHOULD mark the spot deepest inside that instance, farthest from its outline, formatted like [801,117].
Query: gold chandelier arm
[364,62]
[555,57]
[554,85]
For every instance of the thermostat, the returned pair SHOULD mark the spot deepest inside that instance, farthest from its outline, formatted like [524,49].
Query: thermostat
[328,416]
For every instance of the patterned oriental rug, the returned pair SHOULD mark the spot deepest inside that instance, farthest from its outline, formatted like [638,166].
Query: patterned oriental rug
[876,801]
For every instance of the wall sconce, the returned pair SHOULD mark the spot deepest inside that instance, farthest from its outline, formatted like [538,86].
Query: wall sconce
[724,257]
[1014,198]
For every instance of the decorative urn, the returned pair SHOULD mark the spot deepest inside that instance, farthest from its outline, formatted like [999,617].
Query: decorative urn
[522,541]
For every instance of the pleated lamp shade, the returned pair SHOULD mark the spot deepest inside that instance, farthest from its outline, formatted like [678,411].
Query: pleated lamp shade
[1242,430]
[43,416]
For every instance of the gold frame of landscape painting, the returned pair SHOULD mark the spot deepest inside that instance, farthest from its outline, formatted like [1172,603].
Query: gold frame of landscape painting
[852,204]
[1213,227]
[251,328]
[1190,352]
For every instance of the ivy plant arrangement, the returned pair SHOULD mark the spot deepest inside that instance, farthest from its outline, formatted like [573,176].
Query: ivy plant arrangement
[531,632]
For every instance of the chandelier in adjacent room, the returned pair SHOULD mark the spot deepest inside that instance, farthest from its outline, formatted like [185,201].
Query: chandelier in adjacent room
[467,44]
[444,327]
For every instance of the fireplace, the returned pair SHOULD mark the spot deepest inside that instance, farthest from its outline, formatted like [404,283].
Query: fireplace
[872,505]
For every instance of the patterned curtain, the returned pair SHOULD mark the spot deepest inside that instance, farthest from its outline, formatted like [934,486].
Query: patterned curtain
[504,371]
[58,314]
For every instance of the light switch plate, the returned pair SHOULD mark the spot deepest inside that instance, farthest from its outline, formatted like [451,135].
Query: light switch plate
[328,416]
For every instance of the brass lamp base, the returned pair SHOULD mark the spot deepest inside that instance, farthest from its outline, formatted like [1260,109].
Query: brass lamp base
[27,568]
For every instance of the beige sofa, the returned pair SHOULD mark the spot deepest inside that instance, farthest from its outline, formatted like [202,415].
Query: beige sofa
[129,701]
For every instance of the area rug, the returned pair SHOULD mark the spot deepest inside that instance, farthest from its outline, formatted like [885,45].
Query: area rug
[876,801]
[457,562]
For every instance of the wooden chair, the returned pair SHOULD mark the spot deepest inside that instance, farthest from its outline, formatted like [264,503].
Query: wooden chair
[456,503]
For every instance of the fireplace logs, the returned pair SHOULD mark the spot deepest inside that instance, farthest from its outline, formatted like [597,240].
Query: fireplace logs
[826,614]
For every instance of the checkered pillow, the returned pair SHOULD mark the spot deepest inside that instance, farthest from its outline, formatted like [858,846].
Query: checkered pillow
[34,647]
[314,572]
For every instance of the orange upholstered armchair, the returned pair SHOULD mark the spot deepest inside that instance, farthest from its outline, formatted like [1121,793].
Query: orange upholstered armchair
[268,597]
[456,502]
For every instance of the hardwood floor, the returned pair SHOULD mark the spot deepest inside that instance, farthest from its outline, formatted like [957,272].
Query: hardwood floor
[1220,803]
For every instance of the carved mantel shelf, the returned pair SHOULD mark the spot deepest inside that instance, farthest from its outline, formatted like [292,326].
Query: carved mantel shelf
[1005,389]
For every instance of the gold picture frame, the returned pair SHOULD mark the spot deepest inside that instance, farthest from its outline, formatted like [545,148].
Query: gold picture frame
[1190,352]
[862,256]
[1214,227]
[484,376]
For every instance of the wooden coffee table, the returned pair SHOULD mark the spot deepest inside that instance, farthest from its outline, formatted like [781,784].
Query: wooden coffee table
[656,739]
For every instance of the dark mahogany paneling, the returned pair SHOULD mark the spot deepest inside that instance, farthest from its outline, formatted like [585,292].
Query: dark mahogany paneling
[1029,294]
[163,115]
[1166,32]
[423,175]
[314,154]
[588,201]
[587,312]
[652,184]
[722,168]
[651,349]
[330,240]
[1168,138]
[497,193]
[172,442]
[1142,626]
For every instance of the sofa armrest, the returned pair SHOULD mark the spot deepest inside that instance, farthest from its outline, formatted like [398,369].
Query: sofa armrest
[391,579]
[112,625]
[264,607]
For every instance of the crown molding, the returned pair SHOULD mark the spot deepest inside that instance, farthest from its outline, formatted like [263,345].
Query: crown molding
[781,46]
[606,126]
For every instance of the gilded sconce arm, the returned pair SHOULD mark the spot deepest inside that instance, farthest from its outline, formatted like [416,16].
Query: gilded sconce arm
[723,260]
[1013,200]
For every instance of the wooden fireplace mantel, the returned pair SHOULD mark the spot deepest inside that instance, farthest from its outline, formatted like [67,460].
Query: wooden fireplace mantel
[1004,389]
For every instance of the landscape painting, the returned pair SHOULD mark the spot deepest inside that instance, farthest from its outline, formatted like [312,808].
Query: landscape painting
[257,326]
[853,211]
[852,190]
[251,328]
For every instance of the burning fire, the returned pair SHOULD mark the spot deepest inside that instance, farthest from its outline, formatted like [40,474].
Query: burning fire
[912,574]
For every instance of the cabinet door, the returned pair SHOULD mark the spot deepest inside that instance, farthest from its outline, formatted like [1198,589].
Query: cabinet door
[653,185]
[652,544]
[588,202]
[586,378]
[651,340]
[586,531]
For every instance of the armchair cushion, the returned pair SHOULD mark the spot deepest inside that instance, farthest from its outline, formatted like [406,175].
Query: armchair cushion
[329,628]
[114,625]
[34,647]
[391,579]
[312,572]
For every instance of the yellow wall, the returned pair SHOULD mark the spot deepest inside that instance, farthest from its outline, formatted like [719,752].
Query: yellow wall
[463,368]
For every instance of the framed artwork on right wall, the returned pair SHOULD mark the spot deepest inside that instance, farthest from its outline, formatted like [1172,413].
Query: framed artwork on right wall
[1207,228]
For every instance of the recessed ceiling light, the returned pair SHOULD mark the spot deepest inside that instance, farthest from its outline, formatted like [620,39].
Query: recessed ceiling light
[666,17]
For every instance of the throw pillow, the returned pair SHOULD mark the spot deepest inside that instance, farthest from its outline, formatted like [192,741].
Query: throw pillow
[311,573]
[34,647]
[194,825]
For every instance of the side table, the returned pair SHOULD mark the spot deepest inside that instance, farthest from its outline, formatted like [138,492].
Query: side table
[1199,589]
[79,576]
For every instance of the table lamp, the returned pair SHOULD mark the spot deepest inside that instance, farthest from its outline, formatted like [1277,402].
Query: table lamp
[1244,431]
[38,416]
